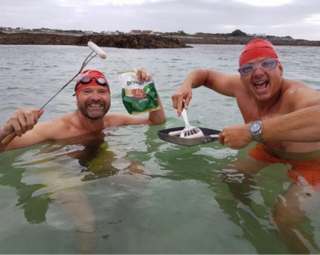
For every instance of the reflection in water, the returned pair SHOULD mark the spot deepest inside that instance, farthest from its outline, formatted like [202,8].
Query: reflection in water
[110,209]
[91,152]
[260,198]
[294,203]
[61,171]
[254,205]
[12,177]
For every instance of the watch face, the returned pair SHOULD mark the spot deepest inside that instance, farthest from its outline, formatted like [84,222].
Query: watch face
[255,127]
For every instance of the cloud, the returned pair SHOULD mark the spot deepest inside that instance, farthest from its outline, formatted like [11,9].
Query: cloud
[313,19]
[296,18]
[265,3]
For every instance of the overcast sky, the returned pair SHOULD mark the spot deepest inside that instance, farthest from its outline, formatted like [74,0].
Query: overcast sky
[299,19]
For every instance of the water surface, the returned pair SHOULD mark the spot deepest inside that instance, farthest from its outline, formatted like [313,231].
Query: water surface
[127,191]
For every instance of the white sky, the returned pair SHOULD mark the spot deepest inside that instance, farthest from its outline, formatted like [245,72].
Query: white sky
[299,19]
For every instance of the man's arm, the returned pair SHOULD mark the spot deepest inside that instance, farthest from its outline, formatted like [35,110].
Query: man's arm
[219,82]
[41,132]
[300,124]
[21,121]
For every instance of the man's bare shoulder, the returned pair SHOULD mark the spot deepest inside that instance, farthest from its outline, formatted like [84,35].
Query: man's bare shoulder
[51,129]
[299,94]
[66,118]
[293,86]
[55,129]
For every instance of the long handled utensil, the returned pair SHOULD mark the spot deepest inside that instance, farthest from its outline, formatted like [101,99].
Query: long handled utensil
[95,49]
[189,131]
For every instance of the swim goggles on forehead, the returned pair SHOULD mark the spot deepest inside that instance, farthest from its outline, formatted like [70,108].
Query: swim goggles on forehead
[86,79]
[266,64]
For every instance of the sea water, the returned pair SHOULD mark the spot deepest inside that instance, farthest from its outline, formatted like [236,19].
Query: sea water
[127,191]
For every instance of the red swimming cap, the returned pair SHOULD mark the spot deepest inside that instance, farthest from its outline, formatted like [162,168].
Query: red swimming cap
[257,48]
[89,78]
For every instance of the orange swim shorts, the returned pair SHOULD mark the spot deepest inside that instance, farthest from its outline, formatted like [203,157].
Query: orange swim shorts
[307,170]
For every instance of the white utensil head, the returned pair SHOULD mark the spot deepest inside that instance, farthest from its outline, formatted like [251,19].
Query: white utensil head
[97,50]
[193,132]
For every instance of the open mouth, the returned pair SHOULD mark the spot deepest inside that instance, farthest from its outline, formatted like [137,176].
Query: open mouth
[95,106]
[261,86]
[95,110]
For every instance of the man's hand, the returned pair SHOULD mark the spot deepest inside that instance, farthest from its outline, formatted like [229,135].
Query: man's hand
[181,98]
[143,75]
[21,121]
[236,137]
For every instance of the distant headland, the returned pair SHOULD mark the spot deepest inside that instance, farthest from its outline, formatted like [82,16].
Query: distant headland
[136,39]
[116,41]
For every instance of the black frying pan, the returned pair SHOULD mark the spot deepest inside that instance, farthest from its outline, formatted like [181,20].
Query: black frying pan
[164,135]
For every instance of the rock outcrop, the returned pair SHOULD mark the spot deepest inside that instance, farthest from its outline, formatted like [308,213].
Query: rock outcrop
[227,39]
[142,41]
[117,41]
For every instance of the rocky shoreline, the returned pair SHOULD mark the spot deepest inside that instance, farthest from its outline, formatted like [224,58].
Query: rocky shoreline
[242,40]
[140,41]
[117,41]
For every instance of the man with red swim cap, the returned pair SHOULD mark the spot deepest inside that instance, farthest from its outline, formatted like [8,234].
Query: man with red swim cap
[89,78]
[87,124]
[282,115]
[278,112]
[257,48]
[93,100]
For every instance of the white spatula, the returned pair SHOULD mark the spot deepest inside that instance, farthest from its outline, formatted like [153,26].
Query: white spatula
[189,131]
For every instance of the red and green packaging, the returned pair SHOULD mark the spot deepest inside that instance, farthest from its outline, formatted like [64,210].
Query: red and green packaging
[137,96]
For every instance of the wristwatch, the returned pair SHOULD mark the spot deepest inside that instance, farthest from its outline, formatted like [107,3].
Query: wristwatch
[255,130]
